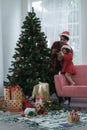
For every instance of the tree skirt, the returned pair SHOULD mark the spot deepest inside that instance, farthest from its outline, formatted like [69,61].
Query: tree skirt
[52,121]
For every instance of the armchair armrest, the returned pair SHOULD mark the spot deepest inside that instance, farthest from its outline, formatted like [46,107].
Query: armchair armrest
[59,81]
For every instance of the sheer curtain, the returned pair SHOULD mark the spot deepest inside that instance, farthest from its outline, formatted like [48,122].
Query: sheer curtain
[57,16]
[84,31]
[1,55]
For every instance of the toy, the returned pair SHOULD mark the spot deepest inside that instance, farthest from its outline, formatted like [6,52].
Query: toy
[73,117]
[39,100]
[40,109]
[29,112]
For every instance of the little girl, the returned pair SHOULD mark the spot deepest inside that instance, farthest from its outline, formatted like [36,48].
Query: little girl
[68,68]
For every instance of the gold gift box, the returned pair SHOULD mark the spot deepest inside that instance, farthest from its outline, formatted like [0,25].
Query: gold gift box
[13,105]
[13,93]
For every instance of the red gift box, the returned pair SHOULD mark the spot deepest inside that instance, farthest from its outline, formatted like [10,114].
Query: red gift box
[1,103]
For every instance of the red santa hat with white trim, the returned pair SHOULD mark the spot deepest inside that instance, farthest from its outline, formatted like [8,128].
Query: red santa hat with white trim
[66,47]
[66,34]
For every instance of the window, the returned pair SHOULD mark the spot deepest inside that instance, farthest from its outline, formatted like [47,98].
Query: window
[57,16]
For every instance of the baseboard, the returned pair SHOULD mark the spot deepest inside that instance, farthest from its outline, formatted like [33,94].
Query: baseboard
[79,100]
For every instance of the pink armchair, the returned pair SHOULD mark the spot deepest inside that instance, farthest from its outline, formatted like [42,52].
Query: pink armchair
[63,89]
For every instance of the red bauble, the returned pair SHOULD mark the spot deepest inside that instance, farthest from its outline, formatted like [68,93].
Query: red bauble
[21,45]
[18,58]
[22,114]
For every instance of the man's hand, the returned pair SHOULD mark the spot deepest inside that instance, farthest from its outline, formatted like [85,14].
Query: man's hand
[54,51]
[60,56]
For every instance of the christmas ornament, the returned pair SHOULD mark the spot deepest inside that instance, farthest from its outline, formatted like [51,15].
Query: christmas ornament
[21,45]
[19,58]
[39,99]
[23,114]
[29,112]
[40,109]
[73,117]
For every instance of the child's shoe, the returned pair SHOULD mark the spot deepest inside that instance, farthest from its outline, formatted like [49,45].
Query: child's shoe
[66,102]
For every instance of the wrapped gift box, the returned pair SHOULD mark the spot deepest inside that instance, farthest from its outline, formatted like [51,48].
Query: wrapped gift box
[13,93]
[7,93]
[16,93]
[13,98]
[13,105]
[1,103]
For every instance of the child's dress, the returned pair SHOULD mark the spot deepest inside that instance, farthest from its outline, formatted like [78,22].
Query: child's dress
[68,65]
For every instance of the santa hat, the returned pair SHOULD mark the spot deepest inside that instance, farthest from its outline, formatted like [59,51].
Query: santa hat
[66,47]
[66,34]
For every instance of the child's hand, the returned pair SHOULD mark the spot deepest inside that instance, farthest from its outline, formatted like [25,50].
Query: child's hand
[60,53]
[60,56]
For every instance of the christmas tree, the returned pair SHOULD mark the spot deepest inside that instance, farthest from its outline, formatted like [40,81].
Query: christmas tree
[32,62]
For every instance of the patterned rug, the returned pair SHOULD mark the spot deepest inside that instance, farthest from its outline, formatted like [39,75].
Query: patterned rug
[52,121]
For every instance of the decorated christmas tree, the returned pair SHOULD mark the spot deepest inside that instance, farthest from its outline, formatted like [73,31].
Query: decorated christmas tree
[32,62]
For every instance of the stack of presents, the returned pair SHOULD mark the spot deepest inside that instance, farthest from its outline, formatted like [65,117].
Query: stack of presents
[15,101]
[13,98]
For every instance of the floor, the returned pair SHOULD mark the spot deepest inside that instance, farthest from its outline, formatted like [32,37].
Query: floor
[6,126]
[81,128]
[78,102]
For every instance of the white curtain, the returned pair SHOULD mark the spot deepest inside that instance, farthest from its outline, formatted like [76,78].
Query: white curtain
[12,14]
[57,16]
[1,54]
[83,31]
[52,18]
